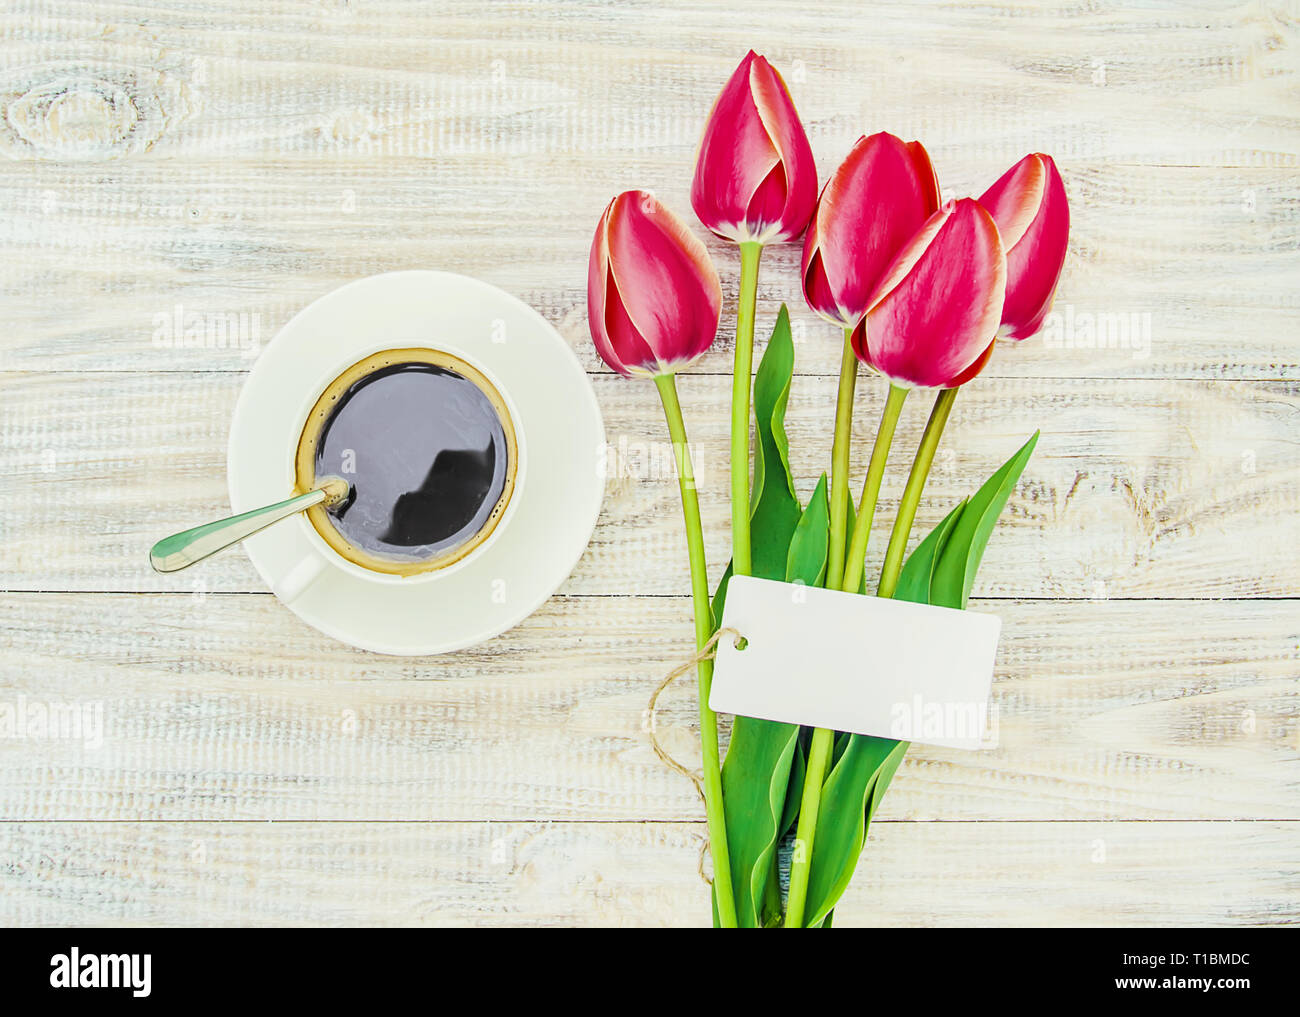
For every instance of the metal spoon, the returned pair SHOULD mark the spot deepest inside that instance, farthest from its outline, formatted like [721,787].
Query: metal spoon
[181,550]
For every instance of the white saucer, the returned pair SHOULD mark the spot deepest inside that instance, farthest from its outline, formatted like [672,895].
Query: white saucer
[556,507]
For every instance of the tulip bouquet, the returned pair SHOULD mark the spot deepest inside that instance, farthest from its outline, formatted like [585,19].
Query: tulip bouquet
[920,289]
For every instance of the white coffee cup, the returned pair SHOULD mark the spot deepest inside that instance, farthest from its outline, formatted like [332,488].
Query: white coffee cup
[319,555]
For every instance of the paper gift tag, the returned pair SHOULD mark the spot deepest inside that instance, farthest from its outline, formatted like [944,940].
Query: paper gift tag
[853,663]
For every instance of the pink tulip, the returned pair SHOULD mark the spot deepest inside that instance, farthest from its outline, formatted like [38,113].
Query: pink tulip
[653,296]
[931,320]
[973,371]
[1028,204]
[755,179]
[869,209]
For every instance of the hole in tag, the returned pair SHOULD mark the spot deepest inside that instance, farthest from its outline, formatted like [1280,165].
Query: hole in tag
[740,642]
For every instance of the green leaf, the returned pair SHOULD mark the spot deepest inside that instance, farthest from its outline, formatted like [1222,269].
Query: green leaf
[855,783]
[837,750]
[806,563]
[940,571]
[773,910]
[863,766]
[774,508]
[720,597]
[914,581]
[755,776]
[756,771]
[954,571]
[794,792]
[806,560]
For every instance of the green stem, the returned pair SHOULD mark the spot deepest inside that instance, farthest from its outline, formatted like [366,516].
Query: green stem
[741,382]
[840,463]
[823,740]
[726,901]
[893,567]
[819,754]
[856,561]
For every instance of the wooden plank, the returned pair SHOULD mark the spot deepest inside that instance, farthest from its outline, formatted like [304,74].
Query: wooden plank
[1193,83]
[602,874]
[1137,488]
[1173,272]
[229,708]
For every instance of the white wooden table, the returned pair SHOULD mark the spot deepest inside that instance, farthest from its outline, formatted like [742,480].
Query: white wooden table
[244,158]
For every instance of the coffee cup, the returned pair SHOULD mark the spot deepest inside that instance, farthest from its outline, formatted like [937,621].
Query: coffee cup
[429,444]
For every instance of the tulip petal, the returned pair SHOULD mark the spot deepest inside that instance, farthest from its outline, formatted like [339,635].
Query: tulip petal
[668,287]
[612,331]
[767,205]
[974,370]
[874,203]
[598,290]
[817,290]
[858,340]
[798,168]
[1034,264]
[736,154]
[626,344]
[925,173]
[1015,198]
[943,301]
[909,254]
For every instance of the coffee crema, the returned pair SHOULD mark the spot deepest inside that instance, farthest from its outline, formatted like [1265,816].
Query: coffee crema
[429,449]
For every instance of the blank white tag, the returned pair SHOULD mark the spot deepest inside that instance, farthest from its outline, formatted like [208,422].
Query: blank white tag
[851,663]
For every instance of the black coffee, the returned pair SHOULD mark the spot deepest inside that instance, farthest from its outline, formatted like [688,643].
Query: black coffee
[426,454]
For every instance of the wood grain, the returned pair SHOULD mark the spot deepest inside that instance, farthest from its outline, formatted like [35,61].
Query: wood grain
[603,874]
[1189,268]
[228,163]
[1137,488]
[1108,710]
[151,164]
[376,79]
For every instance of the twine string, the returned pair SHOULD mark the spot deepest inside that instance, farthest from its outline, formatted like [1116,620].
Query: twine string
[706,652]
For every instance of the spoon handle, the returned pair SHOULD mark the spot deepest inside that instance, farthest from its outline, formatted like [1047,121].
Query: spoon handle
[181,550]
